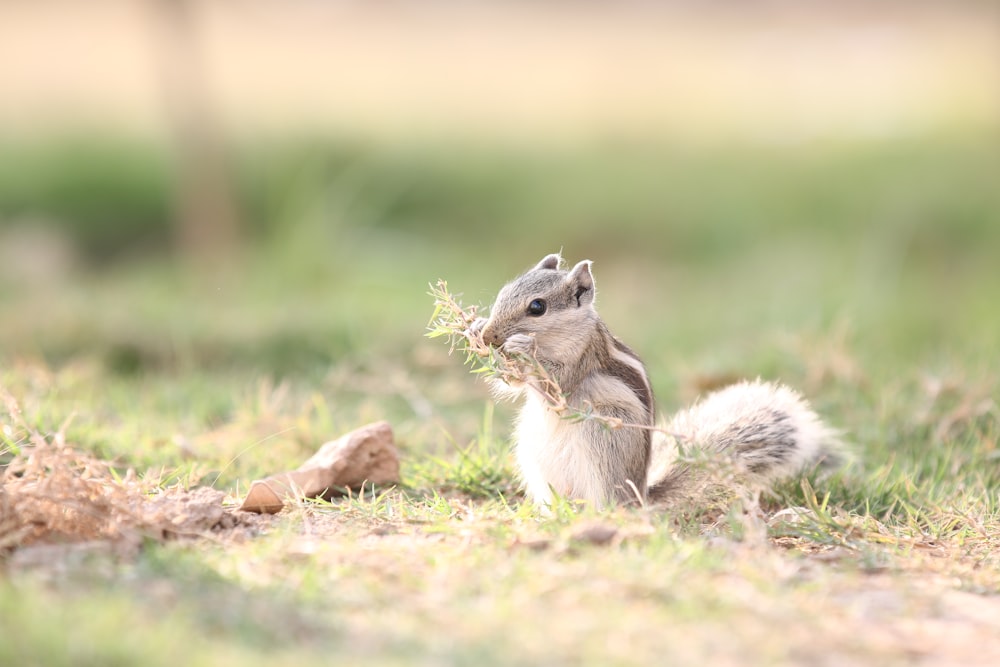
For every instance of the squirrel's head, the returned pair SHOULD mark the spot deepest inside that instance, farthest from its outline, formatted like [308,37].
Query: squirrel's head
[550,304]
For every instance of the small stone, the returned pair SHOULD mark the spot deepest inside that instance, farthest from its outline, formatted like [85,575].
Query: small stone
[535,544]
[598,533]
[262,499]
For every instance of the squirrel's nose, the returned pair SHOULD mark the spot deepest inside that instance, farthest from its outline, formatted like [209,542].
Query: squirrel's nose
[490,337]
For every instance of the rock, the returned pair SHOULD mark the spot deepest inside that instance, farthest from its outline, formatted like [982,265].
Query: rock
[595,533]
[262,499]
[367,455]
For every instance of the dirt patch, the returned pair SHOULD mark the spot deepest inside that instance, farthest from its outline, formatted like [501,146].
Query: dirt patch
[51,493]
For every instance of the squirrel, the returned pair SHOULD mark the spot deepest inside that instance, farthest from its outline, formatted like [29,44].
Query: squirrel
[766,430]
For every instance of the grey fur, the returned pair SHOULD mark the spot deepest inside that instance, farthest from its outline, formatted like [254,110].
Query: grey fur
[767,430]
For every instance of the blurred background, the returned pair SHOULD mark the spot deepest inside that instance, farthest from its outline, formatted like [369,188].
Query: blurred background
[804,189]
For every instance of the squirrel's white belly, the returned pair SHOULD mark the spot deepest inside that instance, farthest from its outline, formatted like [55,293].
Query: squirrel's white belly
[552,455]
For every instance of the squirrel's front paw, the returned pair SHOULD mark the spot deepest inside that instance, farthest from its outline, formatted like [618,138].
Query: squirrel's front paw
[475,332]
[520,344]
[476,328]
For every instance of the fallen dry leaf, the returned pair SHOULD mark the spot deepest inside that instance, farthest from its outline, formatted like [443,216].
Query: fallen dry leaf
[366,455]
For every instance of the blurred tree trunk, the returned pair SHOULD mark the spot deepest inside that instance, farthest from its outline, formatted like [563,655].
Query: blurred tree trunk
[207,226]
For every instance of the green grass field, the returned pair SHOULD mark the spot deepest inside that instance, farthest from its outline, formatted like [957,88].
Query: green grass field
[863,274]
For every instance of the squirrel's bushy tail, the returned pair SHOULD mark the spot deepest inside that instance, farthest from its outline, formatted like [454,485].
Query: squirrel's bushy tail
[767,431]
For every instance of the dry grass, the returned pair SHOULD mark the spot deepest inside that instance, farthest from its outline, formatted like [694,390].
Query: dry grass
[894,562]
[453,576]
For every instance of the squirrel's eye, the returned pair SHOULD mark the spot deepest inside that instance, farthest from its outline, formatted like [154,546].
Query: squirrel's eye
[537,307]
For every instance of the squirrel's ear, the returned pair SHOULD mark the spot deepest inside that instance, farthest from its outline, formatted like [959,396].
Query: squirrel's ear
[582,281]
[550,262]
